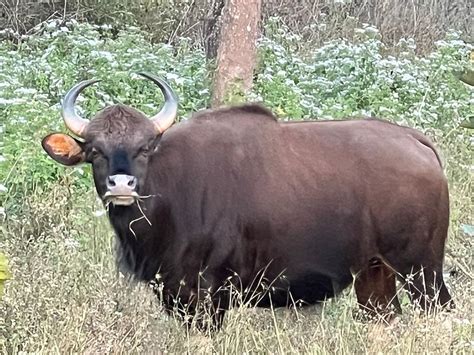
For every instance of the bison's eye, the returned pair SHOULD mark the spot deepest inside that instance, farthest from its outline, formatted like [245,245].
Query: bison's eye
[95,154]
[143,152]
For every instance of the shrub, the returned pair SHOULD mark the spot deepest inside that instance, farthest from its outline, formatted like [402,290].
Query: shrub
[343,79]
[337,80]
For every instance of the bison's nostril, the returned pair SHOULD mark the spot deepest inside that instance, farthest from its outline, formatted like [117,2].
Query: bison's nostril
[132,182]
[110,181]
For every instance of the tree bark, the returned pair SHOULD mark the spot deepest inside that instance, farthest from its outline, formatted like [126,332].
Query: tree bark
[236,55]
[212,26]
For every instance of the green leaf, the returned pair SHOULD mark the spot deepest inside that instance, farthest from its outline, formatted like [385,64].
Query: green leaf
[467,76]
[469,123]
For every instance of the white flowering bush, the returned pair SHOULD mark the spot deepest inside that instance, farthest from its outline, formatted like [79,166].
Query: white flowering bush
[337,80]
[342,79]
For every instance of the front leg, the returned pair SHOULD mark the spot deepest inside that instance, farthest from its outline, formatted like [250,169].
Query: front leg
[192,305]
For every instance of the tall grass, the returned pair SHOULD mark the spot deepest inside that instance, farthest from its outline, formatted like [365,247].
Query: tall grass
[66,294]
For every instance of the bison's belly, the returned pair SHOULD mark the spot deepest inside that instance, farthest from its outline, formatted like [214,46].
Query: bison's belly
[307,289]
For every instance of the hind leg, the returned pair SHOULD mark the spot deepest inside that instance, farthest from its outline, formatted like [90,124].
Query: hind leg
[421,271]
[414,244]
[427,289]
[376,291]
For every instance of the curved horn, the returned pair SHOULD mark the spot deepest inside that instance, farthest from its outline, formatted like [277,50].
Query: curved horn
[165,118]
[73,121]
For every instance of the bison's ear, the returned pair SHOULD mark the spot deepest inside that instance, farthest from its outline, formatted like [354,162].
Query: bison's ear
[63,148]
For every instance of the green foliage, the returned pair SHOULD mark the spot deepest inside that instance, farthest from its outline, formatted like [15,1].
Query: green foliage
[343,79]
[337,80]
[467,77]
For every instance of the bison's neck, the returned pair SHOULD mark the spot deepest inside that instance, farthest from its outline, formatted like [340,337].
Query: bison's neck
[141,236]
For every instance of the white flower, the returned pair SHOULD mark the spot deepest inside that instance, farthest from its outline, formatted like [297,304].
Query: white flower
[171,76]
[3,188]
[79,170]
[179,81]
[71,243]
[99,213]
[25,91]
[11,101]
[103,54]
[50,25]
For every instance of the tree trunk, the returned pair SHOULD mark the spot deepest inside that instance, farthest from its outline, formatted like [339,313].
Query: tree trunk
[212,26]
[236,55]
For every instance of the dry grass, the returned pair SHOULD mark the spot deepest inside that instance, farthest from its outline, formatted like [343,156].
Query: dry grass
[66,296]
[426,21]
[423,20]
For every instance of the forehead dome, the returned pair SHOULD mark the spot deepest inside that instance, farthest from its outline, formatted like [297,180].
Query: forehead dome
[120,120]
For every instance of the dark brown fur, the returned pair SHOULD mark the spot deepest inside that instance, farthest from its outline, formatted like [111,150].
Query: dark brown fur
[256,110]
[237,197]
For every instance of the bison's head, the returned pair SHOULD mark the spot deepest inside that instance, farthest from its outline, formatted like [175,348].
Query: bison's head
[119,142]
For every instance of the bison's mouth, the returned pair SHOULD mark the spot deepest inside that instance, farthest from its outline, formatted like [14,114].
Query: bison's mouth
[120,200]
